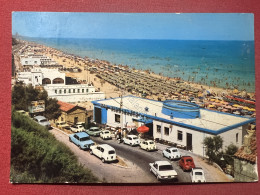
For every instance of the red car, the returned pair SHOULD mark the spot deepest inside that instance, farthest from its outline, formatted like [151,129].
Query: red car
[186,163]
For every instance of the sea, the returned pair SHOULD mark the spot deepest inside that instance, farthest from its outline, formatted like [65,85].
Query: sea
[225,64]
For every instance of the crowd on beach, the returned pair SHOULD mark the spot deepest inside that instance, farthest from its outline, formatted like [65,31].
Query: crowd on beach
[117,80]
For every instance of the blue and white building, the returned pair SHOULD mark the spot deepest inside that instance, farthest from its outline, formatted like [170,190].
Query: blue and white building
[179,122]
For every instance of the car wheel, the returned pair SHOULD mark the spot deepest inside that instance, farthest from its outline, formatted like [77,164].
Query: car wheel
[158,178]
[147,149]
[163,155]
[91,152]
[103,160]
[70,139]
[151,170]
[131,144]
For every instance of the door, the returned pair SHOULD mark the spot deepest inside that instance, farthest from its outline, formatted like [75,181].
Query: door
[189,141]
[76,120]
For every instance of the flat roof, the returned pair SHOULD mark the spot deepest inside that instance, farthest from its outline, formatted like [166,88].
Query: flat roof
[213,122]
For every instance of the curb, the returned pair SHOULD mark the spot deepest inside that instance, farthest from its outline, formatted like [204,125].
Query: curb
[121,166]
[60,131]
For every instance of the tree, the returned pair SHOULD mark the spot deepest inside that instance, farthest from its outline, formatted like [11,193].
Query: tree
[229,152]
[52,110]
[23,95]
[213,148]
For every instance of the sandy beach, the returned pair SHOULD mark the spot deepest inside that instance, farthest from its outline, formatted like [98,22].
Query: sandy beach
[115,80]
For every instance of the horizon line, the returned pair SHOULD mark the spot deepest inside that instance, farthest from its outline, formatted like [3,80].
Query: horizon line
[13,35]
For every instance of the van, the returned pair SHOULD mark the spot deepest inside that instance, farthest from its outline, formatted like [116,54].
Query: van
[103,151]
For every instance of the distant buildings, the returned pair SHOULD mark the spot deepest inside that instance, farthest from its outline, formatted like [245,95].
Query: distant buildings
[54,82]
[178,122]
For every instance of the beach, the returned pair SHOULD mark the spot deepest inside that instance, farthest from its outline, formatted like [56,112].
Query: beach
[116,80]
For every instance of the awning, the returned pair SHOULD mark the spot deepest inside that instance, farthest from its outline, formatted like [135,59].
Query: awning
[142,129]
[143,120]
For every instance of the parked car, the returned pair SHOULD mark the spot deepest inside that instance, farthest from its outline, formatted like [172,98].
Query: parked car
[82,140]
[186,163]
[62,125]
[148,145]
[104,151]
[197,175]
[105,134]
[94,131]
[77,128]
[42,121]
[163,170]
[171,153]
[131,140]
[23,112]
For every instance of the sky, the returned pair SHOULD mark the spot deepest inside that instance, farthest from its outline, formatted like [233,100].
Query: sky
[171,26]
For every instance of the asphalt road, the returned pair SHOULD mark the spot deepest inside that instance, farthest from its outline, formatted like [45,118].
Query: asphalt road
[142,158]
[137,160]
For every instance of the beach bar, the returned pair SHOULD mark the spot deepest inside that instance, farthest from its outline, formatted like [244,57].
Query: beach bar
[178,122]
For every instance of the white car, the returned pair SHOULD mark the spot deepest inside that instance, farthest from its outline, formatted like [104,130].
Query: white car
[77,128]
[197,175]
[171,153]
[148,145]
[163,170]
[104,151]
[131,140]
[42,121]
[106,134]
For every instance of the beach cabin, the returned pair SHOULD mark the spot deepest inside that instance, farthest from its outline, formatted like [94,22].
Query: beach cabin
[178,122]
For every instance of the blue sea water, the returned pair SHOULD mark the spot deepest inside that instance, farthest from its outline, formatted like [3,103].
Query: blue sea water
[225,64]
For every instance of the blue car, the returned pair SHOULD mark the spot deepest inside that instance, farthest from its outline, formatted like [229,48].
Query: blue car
[82,140]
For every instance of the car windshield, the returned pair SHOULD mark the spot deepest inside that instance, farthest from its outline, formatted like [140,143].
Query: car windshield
[188,160]
[165,168]
[135,138]
[111,152]
[198,173]
[84,139]
[80,126]
[106,132]
[151,142]
[94,129]
[43,120]
[174,150]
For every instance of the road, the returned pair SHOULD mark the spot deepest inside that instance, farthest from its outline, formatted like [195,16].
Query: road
[142,158]
[137,160]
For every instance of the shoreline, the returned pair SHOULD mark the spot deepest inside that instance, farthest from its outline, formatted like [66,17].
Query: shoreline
[100,72]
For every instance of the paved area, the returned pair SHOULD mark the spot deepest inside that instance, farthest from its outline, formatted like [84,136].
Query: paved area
[212,173]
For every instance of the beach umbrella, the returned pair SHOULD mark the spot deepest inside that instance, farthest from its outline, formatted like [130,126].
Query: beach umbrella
[225,110]
[235,91]
[143,129]
[211,106]
[251,109]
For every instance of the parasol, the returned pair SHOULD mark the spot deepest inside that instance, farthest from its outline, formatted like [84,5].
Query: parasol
[143,129]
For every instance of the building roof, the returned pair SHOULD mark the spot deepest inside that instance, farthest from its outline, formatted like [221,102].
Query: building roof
[64,106]
[241,154]
[212,122]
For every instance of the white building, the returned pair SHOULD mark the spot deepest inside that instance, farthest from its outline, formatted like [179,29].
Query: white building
[53,82]
[32,60]
[178,122]
[74,93]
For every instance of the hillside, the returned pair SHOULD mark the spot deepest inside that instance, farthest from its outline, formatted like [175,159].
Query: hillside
[37,157]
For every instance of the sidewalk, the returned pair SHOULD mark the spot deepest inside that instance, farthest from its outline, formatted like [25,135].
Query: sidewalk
[212,173]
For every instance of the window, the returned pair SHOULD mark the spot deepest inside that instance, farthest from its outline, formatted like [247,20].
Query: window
[87,90]
[117,118]
[60,91]
[35,62]
[69,90]
[82,90]
[166,130]
[236,137]
[158,128]
[26,62]
[73,90]
[179,135]
[64,90]
[56,91]
[78,90]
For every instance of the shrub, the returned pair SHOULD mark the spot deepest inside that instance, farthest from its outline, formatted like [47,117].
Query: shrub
[37,157]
